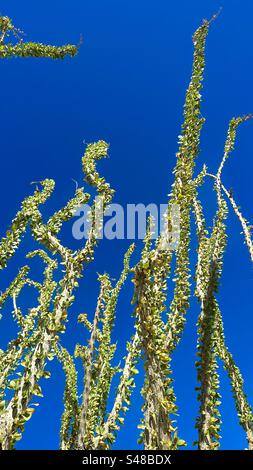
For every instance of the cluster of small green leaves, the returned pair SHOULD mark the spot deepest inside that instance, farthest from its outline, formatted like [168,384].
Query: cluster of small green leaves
[182,189]
[70,416]
[11,241]
[29,49]
[158,431]
[32,49]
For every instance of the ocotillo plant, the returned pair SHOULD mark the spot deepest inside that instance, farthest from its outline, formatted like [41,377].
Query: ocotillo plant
[87,421]
[28,49]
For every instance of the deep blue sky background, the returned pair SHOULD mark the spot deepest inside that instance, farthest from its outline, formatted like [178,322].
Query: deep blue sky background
[127,86]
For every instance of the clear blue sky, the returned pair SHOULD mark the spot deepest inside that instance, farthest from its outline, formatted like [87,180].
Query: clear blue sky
[127,86]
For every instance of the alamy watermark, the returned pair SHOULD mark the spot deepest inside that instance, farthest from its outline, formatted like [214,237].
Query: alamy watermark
[129,222]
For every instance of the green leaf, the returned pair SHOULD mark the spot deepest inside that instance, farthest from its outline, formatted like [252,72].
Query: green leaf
[37,391]
[181,443]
